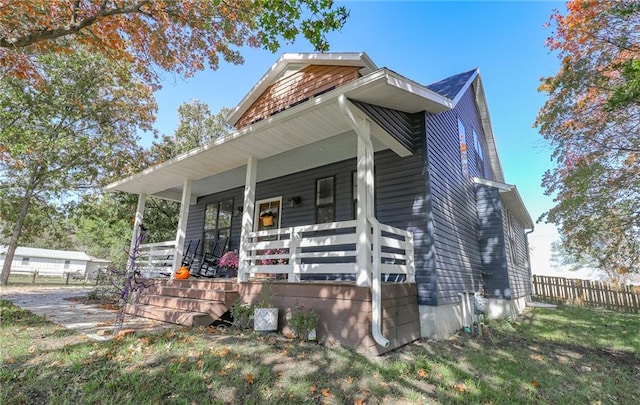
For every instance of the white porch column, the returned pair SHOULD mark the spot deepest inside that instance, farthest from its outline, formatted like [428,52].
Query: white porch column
[247,216]
[364,203]
[182,226]
[142,199]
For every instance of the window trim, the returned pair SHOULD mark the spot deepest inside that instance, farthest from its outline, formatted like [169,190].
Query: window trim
[332,204]
[217,228]
[479,152]
[256,214]
[464,154]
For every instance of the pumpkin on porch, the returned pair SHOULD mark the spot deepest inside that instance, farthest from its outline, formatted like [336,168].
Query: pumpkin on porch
[182,273]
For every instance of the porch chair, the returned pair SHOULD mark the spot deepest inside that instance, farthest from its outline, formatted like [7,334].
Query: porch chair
[188,257]
[211,261]
[190,254]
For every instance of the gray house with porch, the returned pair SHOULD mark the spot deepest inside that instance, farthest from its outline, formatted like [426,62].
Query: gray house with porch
[384,192]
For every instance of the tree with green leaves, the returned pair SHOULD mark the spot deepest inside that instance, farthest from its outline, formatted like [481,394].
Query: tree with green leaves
[73,130]
[103,221]
[196,127]
[592,121]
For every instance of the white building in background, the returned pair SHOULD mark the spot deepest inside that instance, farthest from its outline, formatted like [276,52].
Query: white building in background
[49,262]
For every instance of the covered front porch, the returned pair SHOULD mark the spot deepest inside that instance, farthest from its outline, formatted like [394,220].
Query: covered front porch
[328,129]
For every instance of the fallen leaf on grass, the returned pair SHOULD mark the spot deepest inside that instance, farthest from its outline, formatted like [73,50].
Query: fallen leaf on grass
[325,392]
[460,387]
[11,360]
[349,380]
[422,373]
[536,357]
[31,350]
[289,335]
[535,384]
[313,389]
[249,377]
[221,352]
[359,402]
[124,333]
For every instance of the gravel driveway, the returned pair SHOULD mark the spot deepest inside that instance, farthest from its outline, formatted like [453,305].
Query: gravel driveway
[54,303]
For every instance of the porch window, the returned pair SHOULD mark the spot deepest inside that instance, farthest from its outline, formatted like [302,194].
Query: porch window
[67,263]
[325,200]
[25,261]
[217,223]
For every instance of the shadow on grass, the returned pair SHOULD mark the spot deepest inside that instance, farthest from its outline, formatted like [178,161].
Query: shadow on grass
[514,363]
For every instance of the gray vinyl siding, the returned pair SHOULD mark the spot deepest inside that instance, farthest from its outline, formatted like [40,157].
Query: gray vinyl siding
[396,123]
[402,200]
[519,274]
[457,254]
[296,185]
[467,112]
[492,241]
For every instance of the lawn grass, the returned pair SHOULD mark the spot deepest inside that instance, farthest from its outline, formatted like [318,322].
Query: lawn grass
[570,355]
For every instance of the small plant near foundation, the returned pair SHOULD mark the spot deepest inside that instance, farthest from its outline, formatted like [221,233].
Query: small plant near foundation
[242,314]
[303,320]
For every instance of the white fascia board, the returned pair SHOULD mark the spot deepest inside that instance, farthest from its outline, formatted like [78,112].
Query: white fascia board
[512,199]
[466,86]
[487,128]
[359,59]
[410,86]
[500,186]
[380,76]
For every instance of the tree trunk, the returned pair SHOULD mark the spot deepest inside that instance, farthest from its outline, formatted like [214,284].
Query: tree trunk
[15,235]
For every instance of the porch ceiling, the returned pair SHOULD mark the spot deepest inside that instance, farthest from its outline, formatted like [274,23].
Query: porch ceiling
[310,134]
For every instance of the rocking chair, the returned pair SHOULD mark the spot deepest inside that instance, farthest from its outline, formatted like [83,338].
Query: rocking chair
[211,261]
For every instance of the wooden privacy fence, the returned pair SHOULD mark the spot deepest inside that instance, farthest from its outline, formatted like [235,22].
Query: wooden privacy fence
[587,293]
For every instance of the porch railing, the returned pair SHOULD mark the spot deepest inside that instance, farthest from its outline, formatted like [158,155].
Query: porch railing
[154,258]
[310,250]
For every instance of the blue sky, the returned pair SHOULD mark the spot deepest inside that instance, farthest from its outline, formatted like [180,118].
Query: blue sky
[427,41]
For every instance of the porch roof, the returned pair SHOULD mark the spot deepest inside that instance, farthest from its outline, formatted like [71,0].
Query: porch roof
[312,130]
[512,200]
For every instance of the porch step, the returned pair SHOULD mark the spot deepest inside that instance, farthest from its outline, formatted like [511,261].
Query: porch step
[170,315]
[214,308]
[185,302]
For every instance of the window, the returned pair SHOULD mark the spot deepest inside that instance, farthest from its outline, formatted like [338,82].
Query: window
[217,223]
[268,214]
[325,200]
[477,145]
[25,261]
[67,263]
[511,233]
[354,193]
[462,136]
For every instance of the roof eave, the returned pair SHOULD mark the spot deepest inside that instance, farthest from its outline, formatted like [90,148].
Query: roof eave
[512,198]
[160,179]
